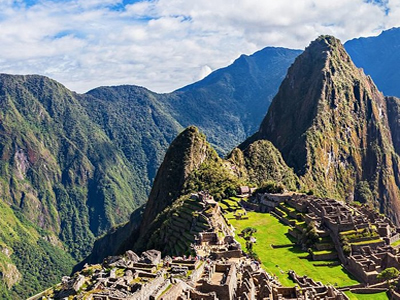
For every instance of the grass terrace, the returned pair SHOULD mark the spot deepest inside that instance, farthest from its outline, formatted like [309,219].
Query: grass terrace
[367,242]
[278,261]
[395,243]
[377,296]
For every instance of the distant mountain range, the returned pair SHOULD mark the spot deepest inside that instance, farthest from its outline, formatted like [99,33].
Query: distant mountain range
[379,56]
[73,166]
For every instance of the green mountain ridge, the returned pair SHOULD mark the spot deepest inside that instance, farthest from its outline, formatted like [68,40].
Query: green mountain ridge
[328,122]
[74,166]
[62,180]
[191,165]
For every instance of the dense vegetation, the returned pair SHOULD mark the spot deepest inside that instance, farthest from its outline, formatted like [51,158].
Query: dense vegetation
[62,180]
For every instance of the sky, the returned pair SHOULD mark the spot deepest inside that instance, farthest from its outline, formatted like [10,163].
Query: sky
[167,44]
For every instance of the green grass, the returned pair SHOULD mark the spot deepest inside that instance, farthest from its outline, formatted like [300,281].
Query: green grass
[323,252]
[271,231]
[367,242]
[237,199]
[351,232]
[377,296]
[395,243]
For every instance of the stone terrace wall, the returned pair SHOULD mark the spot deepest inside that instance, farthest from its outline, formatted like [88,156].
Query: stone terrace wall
[148,289]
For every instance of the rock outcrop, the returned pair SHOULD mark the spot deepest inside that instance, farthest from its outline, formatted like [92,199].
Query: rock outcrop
[335,128]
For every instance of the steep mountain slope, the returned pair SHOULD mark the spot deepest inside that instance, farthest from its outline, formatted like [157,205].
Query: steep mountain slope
[393,107]
[187,153]
[261,162]
[135,121]
[61,177]
[331,125]
[379,56]
[191,165]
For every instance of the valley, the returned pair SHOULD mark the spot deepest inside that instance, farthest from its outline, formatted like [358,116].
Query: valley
[75,166]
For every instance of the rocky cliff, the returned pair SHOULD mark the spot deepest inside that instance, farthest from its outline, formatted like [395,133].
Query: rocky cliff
[335,128]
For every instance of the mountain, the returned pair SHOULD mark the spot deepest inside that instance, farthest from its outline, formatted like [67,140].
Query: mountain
[190,165]
[74,166]
[229,104]
[336,129]
[378,56]
[171,217]
[63,182]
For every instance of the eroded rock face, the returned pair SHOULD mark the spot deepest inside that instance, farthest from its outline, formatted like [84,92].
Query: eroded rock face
[331,125]
[10,275]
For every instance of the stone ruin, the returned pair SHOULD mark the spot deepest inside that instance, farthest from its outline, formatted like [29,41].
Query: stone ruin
[367,234]
[220,270]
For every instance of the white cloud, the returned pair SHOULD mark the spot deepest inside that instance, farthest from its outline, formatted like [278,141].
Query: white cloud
[205,71]
[165,44]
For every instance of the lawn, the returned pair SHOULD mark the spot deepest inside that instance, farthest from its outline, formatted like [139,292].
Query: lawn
[279,260]
[378,296]
[395,243]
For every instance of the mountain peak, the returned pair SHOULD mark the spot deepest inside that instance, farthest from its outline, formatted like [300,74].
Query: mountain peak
[330,123]
[186,153]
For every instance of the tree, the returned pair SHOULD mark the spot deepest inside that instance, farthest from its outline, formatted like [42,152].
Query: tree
[388,274]
[311,236]
[271,187]
[248,232]
[363,192]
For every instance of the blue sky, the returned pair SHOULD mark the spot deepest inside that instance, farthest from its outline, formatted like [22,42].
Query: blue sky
[166,44]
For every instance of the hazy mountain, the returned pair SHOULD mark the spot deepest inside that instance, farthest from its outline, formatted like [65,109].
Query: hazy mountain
[379,57]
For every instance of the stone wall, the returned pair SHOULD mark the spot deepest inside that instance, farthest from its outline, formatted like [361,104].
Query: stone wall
[250,206]
[196,274]
[226,254]
[357,248]
[195,295]
[174,292]
[394,295]
[367,290]
[148,289]
[394,238]
[161,288]
[225,290]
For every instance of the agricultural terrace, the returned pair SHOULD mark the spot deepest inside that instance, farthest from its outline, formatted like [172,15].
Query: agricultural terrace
[377,296]
[278,261]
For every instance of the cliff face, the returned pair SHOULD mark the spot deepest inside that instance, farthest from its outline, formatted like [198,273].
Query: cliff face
[393,107]
[334,127]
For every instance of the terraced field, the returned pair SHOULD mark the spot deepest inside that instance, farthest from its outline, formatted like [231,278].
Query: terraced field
[278,261]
